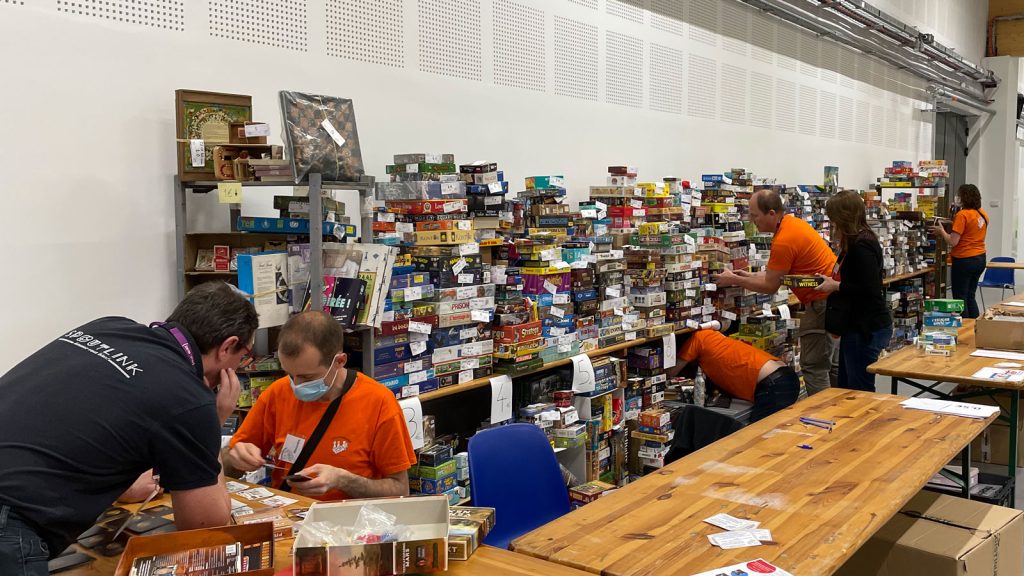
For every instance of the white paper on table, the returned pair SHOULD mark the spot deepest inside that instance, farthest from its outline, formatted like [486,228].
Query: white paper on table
[727,522]
[758,566]
[762,534]
[983,353]
[730,540]
[278,501]
[255,493]
[583,378]
[501,399]
[413,413]
[1005,375]
[233,486]
[669,342]
[951,408]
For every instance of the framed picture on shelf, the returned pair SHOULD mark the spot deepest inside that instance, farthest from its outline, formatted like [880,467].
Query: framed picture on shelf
[207,116]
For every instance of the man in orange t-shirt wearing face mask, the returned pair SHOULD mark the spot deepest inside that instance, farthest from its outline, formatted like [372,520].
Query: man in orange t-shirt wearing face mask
[365,452]
[796,249]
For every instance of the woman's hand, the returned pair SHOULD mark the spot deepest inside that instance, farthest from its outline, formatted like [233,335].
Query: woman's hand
[828,285]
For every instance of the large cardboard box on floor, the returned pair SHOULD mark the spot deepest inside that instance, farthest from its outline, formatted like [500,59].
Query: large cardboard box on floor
[940,535]
[992,446]
[999,334]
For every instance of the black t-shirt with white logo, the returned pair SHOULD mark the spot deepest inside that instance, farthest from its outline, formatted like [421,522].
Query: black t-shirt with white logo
[84,416]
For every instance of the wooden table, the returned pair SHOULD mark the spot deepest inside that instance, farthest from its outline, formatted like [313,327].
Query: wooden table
[1006,265]
[820,505]
[103,565]
[910,364]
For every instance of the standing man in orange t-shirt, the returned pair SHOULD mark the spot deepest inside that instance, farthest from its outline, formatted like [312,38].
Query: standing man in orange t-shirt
[967,240]
[796,249]
[741,370]
[366,451]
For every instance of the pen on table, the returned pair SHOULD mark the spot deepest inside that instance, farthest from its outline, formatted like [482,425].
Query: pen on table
[829,422]
[805,446]
[818,424]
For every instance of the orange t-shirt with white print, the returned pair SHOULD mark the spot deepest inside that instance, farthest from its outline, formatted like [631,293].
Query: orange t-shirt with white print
[971,227]
[368,435]
[798,249]
[731,364]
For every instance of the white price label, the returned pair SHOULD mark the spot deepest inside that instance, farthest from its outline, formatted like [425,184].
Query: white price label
[669,343]
[467,333]
[464,225]
[557,312]
[630,336]
[564,348]
[711,287]
[412,168]
[612,292]
[465,292]
[335,135]
[465,376]
[692,324]
[784,312]
[414,366]
[636,203]
[420,327]
[433,158]
[450,188]
[466,278]
[253,130]
[417,348]
[385,216]
[198,152]
[557,181]
[548,254]
[767,309]
[417,377]
[480,315]
[459,265]
[405,227]
[409,391]
[689,240]
[467,249]
[729,315]
[618,312]
[556,331]
[600,205]
[414,293]
[495,188]
[493,200]
[588,213]
[452,206]
[560,299]
[550,287]
[639,212]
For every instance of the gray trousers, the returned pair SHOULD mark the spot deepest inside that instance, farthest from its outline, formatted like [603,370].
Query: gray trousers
[819,352]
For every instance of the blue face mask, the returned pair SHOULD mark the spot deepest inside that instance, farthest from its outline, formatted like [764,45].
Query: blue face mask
[313,390]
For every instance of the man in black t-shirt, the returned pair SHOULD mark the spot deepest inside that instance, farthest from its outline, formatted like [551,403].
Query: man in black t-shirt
[86,415]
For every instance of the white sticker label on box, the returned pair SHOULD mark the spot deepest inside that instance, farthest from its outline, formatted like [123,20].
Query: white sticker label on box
[548,254]
[433,158]
[550,287]
[405,227]
[618,311]
[560,299]
[784,312]
[555,331]
[480,315]
[557,312]
[692,324]
[467,333]
[420,327]
[636,203]
[612,292]
[417,348]
[452,206]
[412,390]
[337,137]
[767,308]
[470,248]
[469,363]
[464,225]
[465,292]
[729,315]
[198,152]
[459,265]
[495,188]
[601,205]
[711,287]
[413,293]
[560,264]
[639,212]
[466,278]
[385,216]
[412,168]
[630,335]
[557,181]
[450,188]
[414,366]
[493,200]
[417,377]
[253,130]
[465,376]
[564,348]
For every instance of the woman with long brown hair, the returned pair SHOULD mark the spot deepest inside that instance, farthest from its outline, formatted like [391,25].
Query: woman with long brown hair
[856,311]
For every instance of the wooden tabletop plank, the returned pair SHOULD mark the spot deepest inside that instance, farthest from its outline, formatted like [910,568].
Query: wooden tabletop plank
[490,561]
[820,505]
[1006,265]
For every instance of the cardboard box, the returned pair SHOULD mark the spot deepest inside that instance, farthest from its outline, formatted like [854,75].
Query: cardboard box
[940,535]
[999,334]
[992,446]
[427,552]
[143,546]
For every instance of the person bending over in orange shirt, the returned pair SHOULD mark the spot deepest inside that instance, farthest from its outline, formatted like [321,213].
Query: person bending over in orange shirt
[365,451]
[741,370]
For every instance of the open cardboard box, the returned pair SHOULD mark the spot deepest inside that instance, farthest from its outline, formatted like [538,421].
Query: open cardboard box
[144,546]
[425,551]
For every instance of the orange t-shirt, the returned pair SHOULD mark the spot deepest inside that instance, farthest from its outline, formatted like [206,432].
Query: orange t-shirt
[971,227]
[368,435]
[798,249]
[732,365]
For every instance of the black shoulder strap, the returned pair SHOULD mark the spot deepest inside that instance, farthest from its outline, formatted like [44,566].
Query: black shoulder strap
[321,429]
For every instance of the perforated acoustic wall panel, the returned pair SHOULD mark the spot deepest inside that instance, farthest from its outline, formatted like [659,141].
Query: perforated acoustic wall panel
[735,28]
[632,10]
[592,4]
[166,14]
[786,49]
[808,110]
[733,94]
[669,16]
[366,30]
[762,38]
[785,105]
[703,20]
[519,46]
[702,79]
[624,69]
[449,38]
[762,99]
[666,79]
[575,59]
[846,111]
[277,23]
[827,114]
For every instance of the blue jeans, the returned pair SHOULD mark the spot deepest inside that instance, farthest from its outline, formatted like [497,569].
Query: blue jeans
[775,392]
[22,551]
[963,279]
[856,352]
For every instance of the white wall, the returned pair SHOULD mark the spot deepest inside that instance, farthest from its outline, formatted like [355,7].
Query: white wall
[999,165]
[88,113]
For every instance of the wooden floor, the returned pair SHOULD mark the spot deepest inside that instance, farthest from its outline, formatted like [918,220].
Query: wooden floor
[820,504]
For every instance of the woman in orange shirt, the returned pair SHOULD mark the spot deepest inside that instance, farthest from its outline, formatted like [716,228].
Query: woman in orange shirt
[967,241]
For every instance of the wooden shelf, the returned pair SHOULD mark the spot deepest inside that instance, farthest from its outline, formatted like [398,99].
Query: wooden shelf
[891,279]
[211,273]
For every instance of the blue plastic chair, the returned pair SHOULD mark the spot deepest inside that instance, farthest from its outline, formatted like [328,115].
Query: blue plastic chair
[1001,278]
[513,470]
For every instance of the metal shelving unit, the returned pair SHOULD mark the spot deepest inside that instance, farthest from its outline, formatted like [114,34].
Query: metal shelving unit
[316,186]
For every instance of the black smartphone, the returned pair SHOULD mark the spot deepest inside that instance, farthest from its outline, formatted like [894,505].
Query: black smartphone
[293,478]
